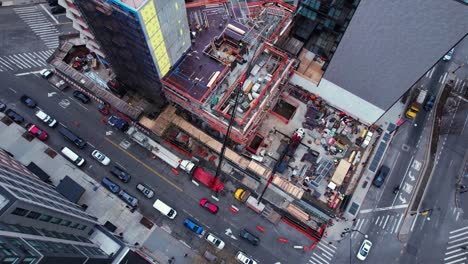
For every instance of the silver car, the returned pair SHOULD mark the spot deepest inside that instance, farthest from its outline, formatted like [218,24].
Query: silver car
[103,159]
[145,190]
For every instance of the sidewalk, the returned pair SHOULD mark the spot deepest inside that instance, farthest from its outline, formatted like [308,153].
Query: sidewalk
[101,203]
[385,122]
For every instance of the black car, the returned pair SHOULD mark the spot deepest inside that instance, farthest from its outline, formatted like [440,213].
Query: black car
[14,116]
[53,2]
[81,96]
[251,238]
[2,107]
[121,174]
[380,176]
[429,103]
[57,10]
[28,101]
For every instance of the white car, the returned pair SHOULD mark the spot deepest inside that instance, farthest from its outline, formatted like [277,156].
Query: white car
[45,73]
[449,55]
[51,122]
[145,190]
[364,249]
[100,157]
[243,258]
[215,241]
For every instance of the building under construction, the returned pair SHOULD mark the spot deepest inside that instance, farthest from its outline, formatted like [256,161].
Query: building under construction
[225,53]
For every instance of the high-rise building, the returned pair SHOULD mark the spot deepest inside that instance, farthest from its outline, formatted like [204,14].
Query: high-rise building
[142,39]
[38,225]
[320,24]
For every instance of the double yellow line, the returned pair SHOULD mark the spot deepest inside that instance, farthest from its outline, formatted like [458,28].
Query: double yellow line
[145,165]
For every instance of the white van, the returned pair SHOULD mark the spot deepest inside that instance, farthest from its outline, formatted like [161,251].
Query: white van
[164,209]
[72,156]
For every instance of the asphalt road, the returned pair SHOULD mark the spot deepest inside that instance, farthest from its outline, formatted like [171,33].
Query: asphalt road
[382,212]
[29,35]
[175,189]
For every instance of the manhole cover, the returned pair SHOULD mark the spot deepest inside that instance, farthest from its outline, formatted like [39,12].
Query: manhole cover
[405,147]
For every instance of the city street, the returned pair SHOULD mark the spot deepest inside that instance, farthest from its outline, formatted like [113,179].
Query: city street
[175,189]
[29,36]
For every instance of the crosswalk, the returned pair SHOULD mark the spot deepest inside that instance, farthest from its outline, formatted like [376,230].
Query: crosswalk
[23,61]
[387,224]
[39,24]
[456,251]
[323,253]
[460,86]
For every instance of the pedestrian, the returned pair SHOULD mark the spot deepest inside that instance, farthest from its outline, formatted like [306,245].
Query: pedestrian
[185,255]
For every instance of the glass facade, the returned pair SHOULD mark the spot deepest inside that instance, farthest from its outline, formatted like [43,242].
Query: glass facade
[320,24]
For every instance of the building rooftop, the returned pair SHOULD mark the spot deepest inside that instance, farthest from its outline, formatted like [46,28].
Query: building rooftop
[393,44]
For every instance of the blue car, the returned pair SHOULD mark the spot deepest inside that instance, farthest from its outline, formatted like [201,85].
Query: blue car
[118,122]
[110,185]
[196,228]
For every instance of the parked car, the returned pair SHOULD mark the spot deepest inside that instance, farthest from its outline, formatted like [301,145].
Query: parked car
[380,176]
[145,190]
[251,238]
[243,258]
[17,118]
[118,122]
[364,249]
[215,241]
[449,55]
[81,96]
[28,101]
[72,137]
[57,10]
[212,208]
[39,133]
[98,155]
[51,122]
[121,174]
[53,2]
[110,185]
[196,228]
[128,198]
[103,109]
[3,106]
[429,103]
[45,73]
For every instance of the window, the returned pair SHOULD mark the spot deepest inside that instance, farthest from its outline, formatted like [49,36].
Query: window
[55,220]
[45,218]
[82,227]
[9,260]
[74,225]
[329,23]
[33,215]
[20,211]
[335,13]
[65,223]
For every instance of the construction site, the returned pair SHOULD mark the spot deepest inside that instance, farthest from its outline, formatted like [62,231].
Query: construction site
[300,157]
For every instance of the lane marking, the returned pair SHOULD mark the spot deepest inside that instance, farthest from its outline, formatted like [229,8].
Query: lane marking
[414,222]
[457,235]
[457,260]
[400,206]
[27,73]
[47,11]
[145,165]
[385,223]
[404,178]
[13,90]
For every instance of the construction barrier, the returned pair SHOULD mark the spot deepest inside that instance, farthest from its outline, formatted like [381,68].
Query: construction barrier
[282,240]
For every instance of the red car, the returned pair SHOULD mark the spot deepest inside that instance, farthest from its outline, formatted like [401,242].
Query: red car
[208,206]
[39,133]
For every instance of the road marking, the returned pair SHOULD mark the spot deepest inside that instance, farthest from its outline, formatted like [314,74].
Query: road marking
[457,235]
[385,223]
[27,73]
[120,165]
[376,220]
[362,223]
[47,11]
[384,208]
[80,104]
[414,222]
[145,165]
[458,230]
[320,257]
[457,240]
[13,90]
[453,251]
[5,63]
[457,260]
[457,255]
[458,215]
[89,143]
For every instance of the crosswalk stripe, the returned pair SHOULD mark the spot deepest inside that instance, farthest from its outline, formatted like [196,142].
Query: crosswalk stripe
[457,240]
[385,223]
[457,230]
[41,56]
[14,62]
[455,261]
[462,244]
[5,63]
[327,257]
[320,258]
[49,52]
[457,235]
[314,261]
[324,248]
[24,63]
[29,60]
[454,256]
[453,251]
[328,253]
